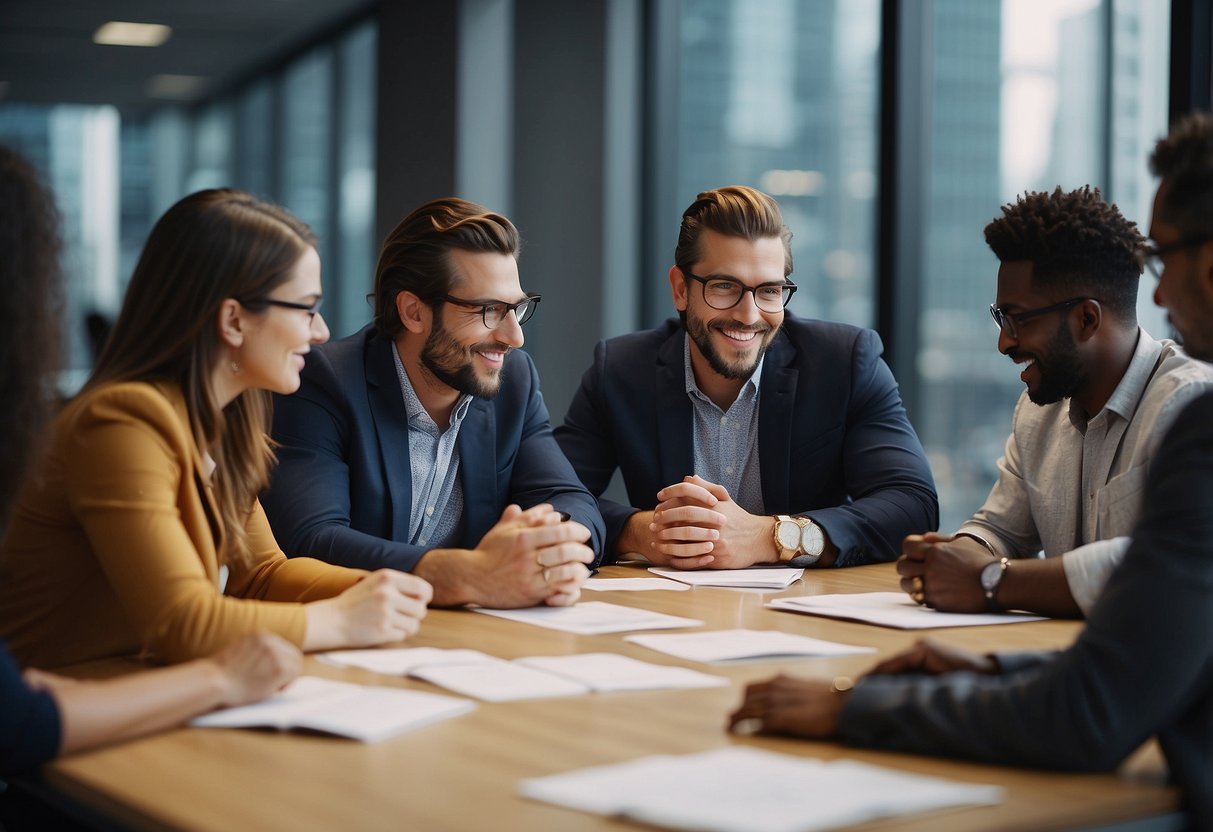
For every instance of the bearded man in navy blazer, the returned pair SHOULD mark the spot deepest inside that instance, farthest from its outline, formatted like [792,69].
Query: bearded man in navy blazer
[422,442]
[745,435]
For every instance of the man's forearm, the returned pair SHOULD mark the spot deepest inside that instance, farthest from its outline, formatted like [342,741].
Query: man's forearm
[1038,586]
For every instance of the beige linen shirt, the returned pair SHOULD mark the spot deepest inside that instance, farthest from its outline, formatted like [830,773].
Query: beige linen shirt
[1071,486]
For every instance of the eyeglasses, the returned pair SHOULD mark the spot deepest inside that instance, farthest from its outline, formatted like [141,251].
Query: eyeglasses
[725,293]
[1151,256]
[312,309]
[493,312]
[1009,322]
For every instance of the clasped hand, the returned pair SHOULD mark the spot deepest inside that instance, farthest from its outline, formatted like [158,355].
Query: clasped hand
[698,524]
[533,556]
[945,569]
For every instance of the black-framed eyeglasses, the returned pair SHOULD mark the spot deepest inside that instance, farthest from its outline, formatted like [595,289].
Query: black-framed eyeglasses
[1009,322]
[725,292]
[493,312]
[1151,256]
[312,309]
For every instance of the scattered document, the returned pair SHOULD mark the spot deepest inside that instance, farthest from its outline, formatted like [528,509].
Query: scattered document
[632,584]
[892,609]
[499,681]
[359,712]
[757,578]
[748,790]
[591,618]
[731,645]
[613,672]
[486,677]
[402,660]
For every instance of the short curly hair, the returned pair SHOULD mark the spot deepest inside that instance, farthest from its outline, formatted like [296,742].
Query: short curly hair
[1184,161]
[1075,242]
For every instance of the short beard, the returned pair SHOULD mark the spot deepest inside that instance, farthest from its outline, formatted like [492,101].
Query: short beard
[441,352]
[700,334]
[1063,374]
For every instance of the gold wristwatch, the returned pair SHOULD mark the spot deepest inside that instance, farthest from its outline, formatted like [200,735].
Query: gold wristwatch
[797,537]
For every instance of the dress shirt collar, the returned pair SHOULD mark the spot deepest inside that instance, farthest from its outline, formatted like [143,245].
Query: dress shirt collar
[418,417]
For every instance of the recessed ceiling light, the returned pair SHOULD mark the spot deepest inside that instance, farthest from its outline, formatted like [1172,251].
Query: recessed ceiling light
[175,87]
[123,33]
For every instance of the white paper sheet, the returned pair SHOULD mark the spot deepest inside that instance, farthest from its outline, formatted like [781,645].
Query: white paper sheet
[400,661]
[499,681]
[892,609]
[632,584]
[730,645]
[613,672]
[591,618]
[359,712]
[482,676]
[758,578]
[748,790]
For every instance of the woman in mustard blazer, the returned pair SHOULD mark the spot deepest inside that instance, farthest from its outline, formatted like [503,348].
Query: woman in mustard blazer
[140,530]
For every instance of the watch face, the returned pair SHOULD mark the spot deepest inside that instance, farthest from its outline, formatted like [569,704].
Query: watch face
[788,534]
[991,575]
[812,540]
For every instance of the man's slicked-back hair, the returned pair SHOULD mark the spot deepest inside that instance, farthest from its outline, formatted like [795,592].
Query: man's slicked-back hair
[735,211]
[1077,243]
[416,255]
[1184,160]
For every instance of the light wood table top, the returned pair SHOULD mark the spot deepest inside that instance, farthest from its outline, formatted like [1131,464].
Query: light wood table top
[462,773]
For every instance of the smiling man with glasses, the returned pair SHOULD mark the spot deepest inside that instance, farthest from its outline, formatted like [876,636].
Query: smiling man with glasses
[744,434]
[1100,393]
[422,442]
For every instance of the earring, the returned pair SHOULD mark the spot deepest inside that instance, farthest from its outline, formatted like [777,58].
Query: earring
[235,368]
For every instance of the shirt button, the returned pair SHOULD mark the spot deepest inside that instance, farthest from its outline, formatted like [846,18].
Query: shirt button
[729,470]
[724,420]
[429,511]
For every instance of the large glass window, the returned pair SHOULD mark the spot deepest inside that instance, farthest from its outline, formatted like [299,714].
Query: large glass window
[1024,96]
[783,95]
[76,150]
[350,277]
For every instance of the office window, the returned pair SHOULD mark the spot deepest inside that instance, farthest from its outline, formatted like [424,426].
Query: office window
[76,151]
[1024,97]
[783,95]
[305,142]
[351,275]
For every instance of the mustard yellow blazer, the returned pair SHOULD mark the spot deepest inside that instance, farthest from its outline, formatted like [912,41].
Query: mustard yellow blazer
[114,546]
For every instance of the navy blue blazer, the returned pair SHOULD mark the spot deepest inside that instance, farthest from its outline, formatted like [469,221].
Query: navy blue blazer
[342,491]
[834,442]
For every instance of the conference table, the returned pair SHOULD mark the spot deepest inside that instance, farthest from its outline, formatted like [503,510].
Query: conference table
[462,774]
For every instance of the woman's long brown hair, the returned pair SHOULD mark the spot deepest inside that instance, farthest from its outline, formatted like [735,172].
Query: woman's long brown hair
[210,246]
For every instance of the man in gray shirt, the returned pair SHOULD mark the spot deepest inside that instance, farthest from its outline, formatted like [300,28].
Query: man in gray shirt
[1100,395]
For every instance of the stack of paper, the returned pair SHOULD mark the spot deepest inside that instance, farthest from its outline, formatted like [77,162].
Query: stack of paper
[756,577]
[363,713]
[729,645]
[591,618]
[892,609]
[747,790]
[496,680]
